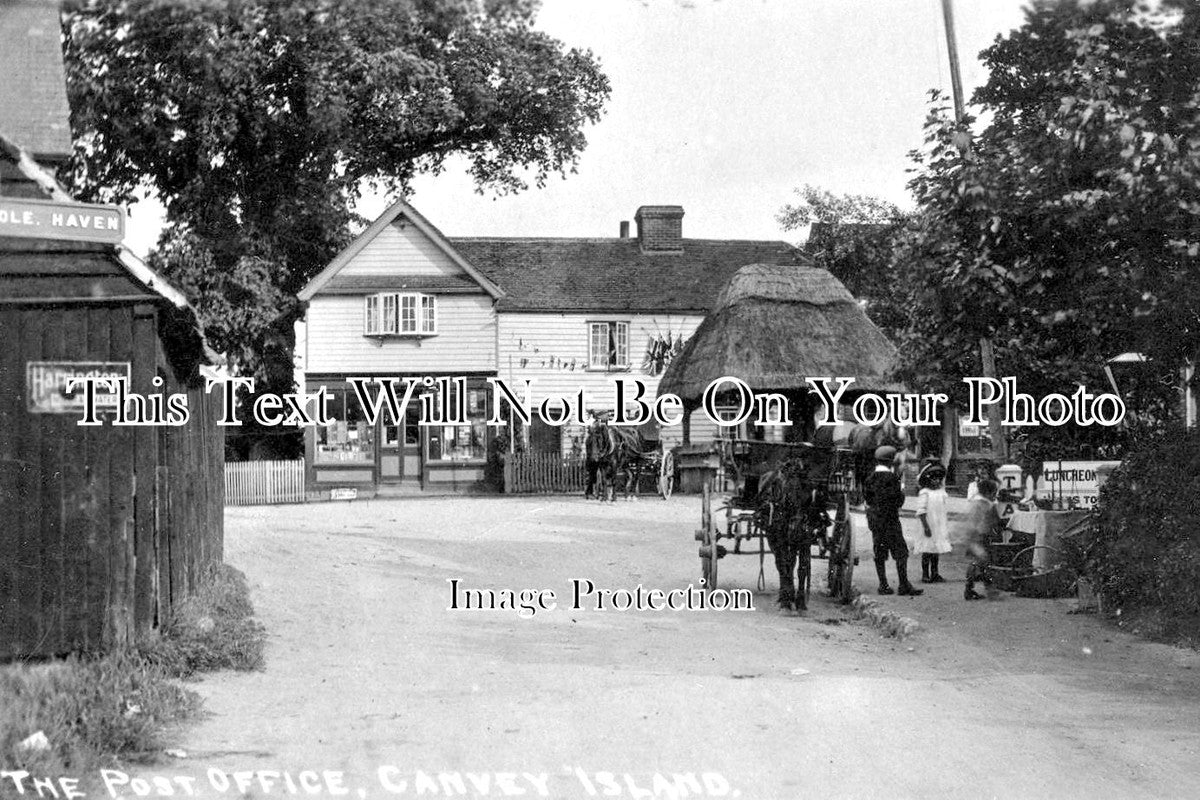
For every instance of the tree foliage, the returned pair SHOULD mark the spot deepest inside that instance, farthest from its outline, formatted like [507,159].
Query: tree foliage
[851,236]
[1066,228]
[258,123]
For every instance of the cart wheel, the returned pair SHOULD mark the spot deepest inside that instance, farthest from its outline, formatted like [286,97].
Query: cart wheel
[841,554]
[708,540]
[666,475]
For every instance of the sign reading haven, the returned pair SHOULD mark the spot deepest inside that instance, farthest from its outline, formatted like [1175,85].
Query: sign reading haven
[1074,481]
[46,384]
[45,219]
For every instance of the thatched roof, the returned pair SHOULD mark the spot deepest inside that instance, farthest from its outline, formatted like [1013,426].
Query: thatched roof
[774,326]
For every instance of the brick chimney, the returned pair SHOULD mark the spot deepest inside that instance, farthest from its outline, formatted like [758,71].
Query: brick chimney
[660,229]
[33,91]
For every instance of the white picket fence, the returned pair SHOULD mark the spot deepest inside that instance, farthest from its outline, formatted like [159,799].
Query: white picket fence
[251,483]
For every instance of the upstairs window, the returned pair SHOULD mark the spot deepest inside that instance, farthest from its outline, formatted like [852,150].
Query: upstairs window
[400,314]
[608,345]
[371,316]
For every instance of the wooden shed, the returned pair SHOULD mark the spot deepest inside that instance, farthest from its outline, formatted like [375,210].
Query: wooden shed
[105,527]
[102,528]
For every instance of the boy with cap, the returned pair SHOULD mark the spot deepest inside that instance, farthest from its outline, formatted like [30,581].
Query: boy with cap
[884,499]
[983,525]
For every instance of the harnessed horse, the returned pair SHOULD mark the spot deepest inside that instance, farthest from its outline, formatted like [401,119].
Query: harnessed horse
[790,509]
[608,451]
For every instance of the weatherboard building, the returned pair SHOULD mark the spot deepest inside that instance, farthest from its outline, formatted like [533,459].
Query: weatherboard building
[405,301]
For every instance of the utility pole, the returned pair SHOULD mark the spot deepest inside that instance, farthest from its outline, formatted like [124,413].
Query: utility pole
[986,353]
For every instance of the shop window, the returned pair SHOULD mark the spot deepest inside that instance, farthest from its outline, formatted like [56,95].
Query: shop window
[462,442]
[349,437]
[608,345]
[400,314]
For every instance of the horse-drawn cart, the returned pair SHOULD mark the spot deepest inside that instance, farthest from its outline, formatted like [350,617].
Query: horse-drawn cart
[793,499]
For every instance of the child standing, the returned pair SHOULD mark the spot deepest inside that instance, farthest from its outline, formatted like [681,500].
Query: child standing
[983,523]
[935,525]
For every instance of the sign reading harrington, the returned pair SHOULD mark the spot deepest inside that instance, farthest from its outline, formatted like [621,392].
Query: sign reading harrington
[46,384]
[77,222]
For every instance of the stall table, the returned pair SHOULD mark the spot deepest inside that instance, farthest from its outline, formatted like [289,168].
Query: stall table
[1048,527]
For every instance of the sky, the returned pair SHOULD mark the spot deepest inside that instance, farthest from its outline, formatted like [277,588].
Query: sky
[724,107]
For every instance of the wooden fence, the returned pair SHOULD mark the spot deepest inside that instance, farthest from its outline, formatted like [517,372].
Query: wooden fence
[249,483]
[538,473]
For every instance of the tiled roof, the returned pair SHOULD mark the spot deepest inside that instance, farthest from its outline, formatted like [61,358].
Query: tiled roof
[33,92]
[614,274]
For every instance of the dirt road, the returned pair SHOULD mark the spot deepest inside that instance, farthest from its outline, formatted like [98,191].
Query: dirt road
[374,688]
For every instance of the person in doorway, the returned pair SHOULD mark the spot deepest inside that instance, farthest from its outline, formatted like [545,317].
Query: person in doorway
[885,498]
[983,523]
[934,519]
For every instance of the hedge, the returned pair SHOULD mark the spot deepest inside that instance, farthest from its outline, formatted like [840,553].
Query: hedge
[1147,557]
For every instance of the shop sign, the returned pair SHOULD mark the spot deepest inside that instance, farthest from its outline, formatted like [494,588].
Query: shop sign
[77,222]
[1075,482]
[46,389]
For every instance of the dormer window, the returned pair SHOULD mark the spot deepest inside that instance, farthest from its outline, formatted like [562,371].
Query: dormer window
[400,314]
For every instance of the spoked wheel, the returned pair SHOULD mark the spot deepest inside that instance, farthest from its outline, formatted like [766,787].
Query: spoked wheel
[841,554]
[707,536]
[666,475]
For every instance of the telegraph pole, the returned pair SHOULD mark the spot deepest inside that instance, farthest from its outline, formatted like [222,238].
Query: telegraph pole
[986,353]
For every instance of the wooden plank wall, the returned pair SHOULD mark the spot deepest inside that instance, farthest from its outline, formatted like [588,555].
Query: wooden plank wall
[191,539]
[66,556]
[105,527]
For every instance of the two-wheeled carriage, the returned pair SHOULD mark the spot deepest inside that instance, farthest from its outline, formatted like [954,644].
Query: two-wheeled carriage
[793,498]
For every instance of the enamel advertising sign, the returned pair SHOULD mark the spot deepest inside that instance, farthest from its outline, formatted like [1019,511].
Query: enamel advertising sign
[77,222]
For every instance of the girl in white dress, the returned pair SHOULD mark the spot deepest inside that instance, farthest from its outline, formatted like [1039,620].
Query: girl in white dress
[935,527]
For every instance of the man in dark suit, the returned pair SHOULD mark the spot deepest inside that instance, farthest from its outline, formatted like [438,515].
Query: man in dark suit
[884,499]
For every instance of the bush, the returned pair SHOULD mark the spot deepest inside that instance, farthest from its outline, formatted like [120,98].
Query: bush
[213,629]
[92,710]
[97,710]
[1147,558]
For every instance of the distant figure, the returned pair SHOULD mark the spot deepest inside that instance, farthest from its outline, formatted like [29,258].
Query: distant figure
[934,519]
[983,523]
[884,500]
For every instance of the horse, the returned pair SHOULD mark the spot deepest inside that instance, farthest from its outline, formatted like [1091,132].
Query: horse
[865,439]
[790,509]
[610,450]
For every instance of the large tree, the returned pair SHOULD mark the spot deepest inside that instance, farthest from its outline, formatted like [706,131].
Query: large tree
[1067,227]
[851,235]
[259,123]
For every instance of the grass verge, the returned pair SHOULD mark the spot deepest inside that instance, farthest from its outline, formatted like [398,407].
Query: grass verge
[98,711]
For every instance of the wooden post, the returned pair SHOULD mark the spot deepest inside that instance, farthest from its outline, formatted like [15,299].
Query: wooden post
[986,353]
[995,431]
[952,48]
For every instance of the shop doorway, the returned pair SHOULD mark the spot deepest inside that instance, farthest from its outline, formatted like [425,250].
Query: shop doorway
[400,451]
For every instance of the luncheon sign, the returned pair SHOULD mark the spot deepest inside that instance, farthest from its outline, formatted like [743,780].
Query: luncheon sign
[77,222]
